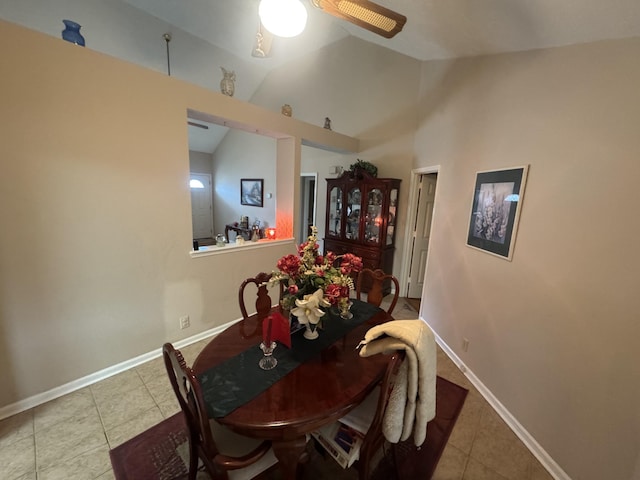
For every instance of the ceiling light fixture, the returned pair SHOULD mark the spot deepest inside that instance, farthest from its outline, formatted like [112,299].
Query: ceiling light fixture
[284,18]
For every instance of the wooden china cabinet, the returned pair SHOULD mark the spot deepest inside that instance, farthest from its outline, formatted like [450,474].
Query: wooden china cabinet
[361,218]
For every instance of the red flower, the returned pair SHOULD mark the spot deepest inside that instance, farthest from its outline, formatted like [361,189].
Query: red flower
[333,293]
[293,289]
[350,263]
[289,264]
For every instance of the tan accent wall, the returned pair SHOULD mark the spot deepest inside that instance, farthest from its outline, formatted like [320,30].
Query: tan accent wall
[95,212]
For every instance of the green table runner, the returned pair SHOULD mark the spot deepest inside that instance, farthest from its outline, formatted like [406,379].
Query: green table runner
[239,379]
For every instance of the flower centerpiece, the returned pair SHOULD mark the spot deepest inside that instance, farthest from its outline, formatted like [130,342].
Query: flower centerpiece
[313,282]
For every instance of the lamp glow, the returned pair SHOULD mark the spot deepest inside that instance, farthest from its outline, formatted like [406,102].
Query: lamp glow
[271,233]
[284,18]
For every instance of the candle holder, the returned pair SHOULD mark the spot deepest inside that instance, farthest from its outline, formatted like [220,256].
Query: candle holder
[268,361]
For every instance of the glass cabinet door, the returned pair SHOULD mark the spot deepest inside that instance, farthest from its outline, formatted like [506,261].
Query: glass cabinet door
[391,223]
[373,219]
[335,212]
[353,214]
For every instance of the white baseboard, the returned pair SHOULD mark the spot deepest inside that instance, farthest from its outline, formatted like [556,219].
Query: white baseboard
[534,447]
[56,392]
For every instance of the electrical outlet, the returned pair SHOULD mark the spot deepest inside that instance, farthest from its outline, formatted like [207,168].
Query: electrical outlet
[465,344]
[184,322]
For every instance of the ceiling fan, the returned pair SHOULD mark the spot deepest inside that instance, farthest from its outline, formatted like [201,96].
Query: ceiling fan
[287,18]
[365,14]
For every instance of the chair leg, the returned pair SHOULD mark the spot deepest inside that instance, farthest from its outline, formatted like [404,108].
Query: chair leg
[363,471]
[210,468]
[193,460]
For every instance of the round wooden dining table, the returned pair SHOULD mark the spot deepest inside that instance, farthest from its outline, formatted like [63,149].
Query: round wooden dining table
[315,393]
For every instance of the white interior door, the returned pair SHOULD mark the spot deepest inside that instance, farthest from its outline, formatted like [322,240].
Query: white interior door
[421,233]
[201,205]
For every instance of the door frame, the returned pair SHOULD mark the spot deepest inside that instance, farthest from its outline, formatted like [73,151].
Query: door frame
[412,206]
[304,180]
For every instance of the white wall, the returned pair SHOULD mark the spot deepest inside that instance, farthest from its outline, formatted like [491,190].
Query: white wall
[554,333]
[200,162]
[243,155]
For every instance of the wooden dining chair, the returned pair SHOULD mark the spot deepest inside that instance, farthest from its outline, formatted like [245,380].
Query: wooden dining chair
[263,300]
[224,454]
[371,412]
[378,280]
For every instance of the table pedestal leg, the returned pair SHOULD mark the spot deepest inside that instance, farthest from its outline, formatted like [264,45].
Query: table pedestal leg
[288,453]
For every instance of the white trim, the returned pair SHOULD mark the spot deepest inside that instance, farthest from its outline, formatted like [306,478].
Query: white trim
[74,385]
[411,220]
[534,447]
[207,250]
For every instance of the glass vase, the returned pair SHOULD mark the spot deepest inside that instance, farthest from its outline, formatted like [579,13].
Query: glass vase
[71,33]
[345,309]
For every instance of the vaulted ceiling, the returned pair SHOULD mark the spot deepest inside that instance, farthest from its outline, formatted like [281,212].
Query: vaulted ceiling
[435,29]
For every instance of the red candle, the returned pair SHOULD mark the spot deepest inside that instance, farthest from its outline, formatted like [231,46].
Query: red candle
[266,335]
[271,233]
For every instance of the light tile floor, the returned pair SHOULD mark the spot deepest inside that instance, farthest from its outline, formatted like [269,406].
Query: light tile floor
[69,438]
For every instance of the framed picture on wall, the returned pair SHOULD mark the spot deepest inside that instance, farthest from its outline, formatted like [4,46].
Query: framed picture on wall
[495,210]
[251,191]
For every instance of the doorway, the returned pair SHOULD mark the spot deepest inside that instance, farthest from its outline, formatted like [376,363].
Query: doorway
[421,205]
[308,193]
[201,205]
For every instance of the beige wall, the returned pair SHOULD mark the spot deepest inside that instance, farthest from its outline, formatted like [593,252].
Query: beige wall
[368,92]
[554,333]
[95,212]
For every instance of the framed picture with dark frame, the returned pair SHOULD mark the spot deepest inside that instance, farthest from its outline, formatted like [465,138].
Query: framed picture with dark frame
[251,191]
[495,210]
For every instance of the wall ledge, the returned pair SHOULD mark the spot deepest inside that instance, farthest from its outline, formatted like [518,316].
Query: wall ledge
[208,250]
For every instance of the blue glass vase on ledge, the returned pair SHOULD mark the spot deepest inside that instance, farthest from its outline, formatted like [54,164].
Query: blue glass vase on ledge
[71,33]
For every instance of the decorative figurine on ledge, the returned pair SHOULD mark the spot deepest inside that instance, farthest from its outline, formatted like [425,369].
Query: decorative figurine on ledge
[286,110]
[227,84]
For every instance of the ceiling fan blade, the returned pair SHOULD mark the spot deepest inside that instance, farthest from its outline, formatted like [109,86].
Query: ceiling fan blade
[365,14]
